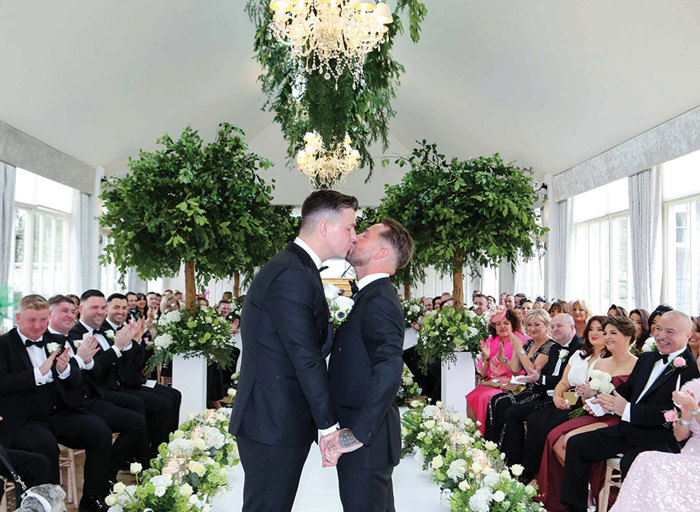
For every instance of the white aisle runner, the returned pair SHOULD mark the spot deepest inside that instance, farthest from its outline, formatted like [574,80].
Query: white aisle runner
[318,489]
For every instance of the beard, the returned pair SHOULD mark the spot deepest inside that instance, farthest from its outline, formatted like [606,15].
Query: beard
[358,257]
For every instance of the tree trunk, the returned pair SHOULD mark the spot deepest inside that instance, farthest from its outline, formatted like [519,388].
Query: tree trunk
[190,287]
[458,282]
[236,284]
[407,291]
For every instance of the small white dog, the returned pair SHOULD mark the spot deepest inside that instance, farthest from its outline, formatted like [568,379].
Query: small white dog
[44,498]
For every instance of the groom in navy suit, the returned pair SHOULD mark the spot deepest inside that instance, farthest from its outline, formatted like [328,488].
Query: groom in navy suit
[640,402]
[365,370]
[283,400]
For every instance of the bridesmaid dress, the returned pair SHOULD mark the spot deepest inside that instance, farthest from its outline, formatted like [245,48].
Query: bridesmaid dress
[665,482]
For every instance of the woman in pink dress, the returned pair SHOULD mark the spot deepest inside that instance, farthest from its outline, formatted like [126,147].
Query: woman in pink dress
[494,368]
[665,482]
[618,335]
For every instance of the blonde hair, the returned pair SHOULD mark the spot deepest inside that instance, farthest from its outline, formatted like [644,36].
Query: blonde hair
[584,305]
[33,301]
[540,314]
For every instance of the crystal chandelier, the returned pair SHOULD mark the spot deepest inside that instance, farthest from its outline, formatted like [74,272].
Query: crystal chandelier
[324,166]
[330,35]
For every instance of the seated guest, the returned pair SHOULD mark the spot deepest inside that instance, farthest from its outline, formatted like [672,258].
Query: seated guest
[32,468]
[497,351]
[131,424]
[168,303]
[655,315]
[581,313]
[141,306]
[694,341]
[202,301]
[618,334]
[481,304]
[513,435]
[640,317]
[526,306]
[39,408]
[640,403]
[557,307]
[534,358]
[675,476]
[614,310]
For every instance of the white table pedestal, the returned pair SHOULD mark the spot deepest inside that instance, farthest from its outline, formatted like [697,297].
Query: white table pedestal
[458,379]
[190,379]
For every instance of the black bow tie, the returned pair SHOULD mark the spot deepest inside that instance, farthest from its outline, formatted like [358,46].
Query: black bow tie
[29,343]
[663,357]
[99,331]
[321,269]
[353,287]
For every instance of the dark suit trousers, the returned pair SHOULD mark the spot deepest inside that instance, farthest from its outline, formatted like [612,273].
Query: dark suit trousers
[366,490]
[133,435]
[174,397]
[158,414]
[271,475]
[539,424]
[75,430]
[584,449]
[32,468]
[512,435]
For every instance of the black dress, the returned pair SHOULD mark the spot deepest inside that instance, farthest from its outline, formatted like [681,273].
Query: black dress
[499,404]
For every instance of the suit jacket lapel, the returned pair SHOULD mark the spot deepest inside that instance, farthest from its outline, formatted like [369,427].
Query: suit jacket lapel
[21,349]
[667,375]
[308,263]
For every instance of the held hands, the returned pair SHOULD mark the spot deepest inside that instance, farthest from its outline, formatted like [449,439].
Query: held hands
[334,445]
[87,349]
[613,403]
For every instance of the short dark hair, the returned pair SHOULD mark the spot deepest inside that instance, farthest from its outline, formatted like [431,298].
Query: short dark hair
[120,296]
[130,293]
[223,301]
[91,293]
[58,299]
[481,296]
[623,324]
[325,201]
[151,293]
[400,240]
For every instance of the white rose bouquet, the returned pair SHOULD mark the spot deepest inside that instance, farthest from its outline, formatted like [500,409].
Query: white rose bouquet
[339,305]
[413,309]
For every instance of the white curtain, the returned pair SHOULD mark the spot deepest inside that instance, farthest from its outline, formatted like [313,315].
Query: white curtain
[645,222]
[560,221]
[81,241]
[7,216]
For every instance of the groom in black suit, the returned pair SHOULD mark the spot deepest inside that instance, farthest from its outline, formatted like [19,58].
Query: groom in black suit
[640,402]
[283,397]
[365,370]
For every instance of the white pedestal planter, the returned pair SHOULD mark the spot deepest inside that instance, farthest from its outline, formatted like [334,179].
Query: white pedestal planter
[410,338]
[190,378]
[458,379]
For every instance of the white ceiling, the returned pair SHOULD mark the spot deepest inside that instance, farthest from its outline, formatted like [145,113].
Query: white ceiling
[549,83]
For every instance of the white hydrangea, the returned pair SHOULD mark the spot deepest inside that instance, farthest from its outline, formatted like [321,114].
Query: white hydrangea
[115,508]
[457,469]
[480,500]
[431,411]
[492,479]
[181,446]
[163,341]
[445,497]
[213,437]
[170,317]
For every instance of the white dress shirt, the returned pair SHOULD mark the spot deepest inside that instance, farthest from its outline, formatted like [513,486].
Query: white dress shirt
[656,371]
[104,344]
[370,278]
[309,251]
[79,360]
[38,357]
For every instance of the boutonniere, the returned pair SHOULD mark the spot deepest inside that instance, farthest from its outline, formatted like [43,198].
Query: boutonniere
[109,334]
[650,345]
[339,305]
[563,353]
[52,347]
[678,363]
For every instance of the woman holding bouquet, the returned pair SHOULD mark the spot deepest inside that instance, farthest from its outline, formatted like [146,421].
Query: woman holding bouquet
[606,374]
[675,476]
[494,366]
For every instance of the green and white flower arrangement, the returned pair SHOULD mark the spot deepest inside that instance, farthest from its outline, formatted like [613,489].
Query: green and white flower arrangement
[471,472]
[204,333]
[650,345]
[408,389]
[413,309]
[190,470]
[449,331]
[339,305]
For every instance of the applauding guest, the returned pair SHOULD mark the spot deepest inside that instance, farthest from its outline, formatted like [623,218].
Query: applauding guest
[640,402]
[497,351]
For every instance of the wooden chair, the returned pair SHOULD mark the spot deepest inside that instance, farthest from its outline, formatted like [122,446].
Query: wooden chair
[9,487]
[613,478]
[66,464]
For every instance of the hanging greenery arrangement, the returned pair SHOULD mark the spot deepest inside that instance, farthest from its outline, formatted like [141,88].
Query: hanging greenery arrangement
[307,102]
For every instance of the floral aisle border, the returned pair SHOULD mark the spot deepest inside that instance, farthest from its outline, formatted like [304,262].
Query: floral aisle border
[471,472]
[189,472]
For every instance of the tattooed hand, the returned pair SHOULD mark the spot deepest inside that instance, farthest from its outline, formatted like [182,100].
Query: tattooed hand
[335,444]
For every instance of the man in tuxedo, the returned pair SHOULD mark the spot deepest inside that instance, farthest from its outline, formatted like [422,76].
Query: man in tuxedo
[32,468]
[365,371]
[116,356]
[283,396]
[539,418]
[40,411]
[640,402]
[131,425]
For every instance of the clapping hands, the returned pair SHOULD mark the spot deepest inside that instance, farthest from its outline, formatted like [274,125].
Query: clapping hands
[336,444]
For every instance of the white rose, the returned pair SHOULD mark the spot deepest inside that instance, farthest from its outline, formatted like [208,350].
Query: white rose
[517,470]
[119,488]
[111,500]
[52,347]
[438,404]
[199,443]
[437,462]
[178,434]
[109,333]
[331,291]
[499,496]
[429,424]
[463,485]
[160,491]
[420,435]
[135,467]
[490,446]
[185,490]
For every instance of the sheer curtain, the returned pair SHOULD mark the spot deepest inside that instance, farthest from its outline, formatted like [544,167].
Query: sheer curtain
[561,226]
[7,215]
[645,223]
[81,242]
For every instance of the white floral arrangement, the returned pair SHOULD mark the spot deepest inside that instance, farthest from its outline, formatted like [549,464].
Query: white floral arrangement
[650,345]
[189,472]
[471,472]
[339,305]
[408,389]
[413,309]
[600,381]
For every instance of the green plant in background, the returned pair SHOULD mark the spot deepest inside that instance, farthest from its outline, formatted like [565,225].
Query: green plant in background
[308,102]
[465,214]
[200,204]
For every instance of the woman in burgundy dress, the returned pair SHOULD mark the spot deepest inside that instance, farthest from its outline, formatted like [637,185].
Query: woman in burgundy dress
[618,333]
